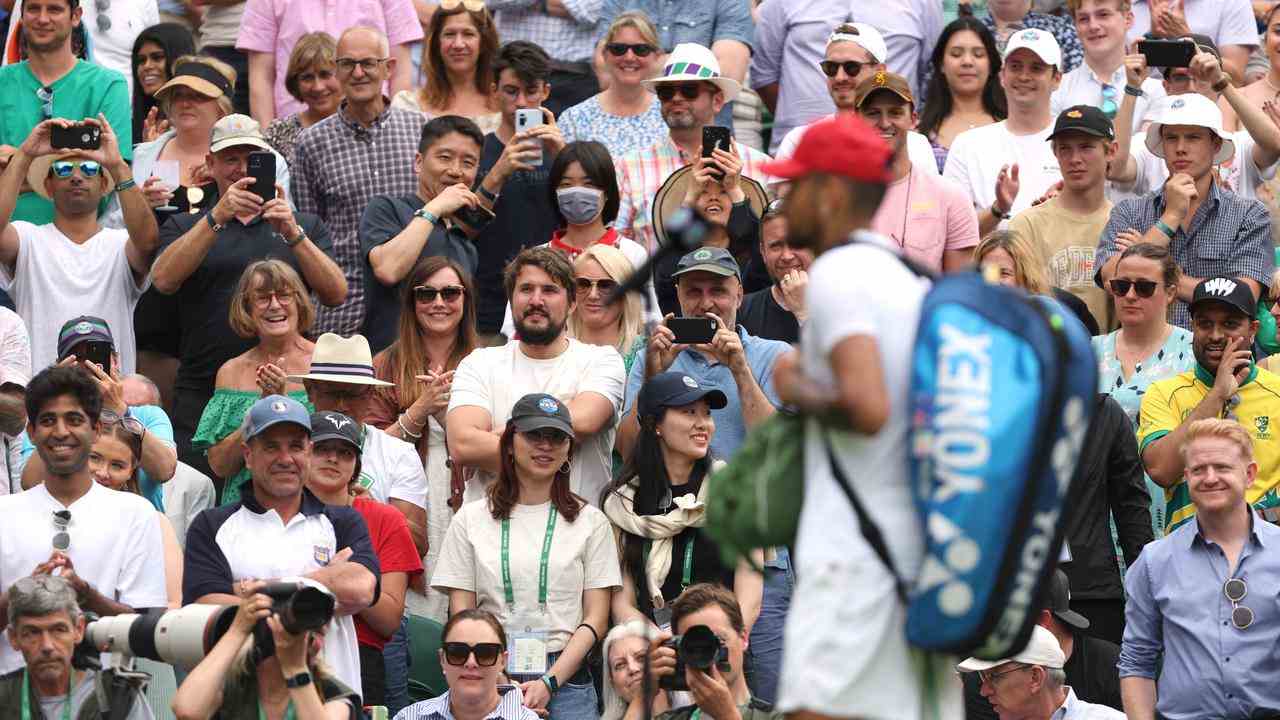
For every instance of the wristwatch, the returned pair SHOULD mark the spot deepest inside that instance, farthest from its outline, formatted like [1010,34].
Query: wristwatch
[1221,84]
[427,215]
[552,684]
[217,227]
[997,212]
[302,679]
[302,235]
[484,193]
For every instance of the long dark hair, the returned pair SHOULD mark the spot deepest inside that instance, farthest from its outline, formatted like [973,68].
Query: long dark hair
[407,356]
[504,493]
[937,100]
[176,41]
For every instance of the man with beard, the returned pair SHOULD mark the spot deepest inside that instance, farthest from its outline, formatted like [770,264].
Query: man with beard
[586,378]
[53,83]
[104,542]
[1224,384]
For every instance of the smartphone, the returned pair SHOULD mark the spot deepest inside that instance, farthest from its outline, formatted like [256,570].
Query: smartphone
[527,119]
[77,137]
[262,168]
[692,330]
[474,217]
[95,351]
[714,136]
[1167,53]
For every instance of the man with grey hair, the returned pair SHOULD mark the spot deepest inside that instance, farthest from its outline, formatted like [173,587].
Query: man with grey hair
[1031,685]
[45,625]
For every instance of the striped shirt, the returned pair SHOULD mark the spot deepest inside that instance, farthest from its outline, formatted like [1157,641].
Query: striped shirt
[571,39]
[510,707]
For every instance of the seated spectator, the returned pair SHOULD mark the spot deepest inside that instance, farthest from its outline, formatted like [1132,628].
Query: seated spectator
[15,373]
[910,29]
[778,311]
[188,494]
[1015,263]
[1224,383]
[45,626]
[1228,23]
[460,47]
[437,330]
[1189,610]
[625,650]
[964,91]
[626,115]
[234,681]
[312,78]
[398,232]
[104,542]
[597,273]
[333,479]
[269,303]
[1007,17]
[155,51]
[473,657]
[55,271]
[579,562]
[939,229]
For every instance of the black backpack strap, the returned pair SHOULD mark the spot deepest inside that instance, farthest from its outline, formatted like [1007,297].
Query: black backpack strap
[870,530]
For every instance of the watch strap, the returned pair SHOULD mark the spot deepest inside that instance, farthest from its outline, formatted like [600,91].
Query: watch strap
[550,681]
[302,679]
[1134,91]
[1221,84]
[125,185]
[998,213]
[1162,227]
[302,235]
[427,215]
[484,193]
[213,223]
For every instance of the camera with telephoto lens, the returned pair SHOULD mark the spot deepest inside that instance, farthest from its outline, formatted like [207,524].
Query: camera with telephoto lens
[698,648]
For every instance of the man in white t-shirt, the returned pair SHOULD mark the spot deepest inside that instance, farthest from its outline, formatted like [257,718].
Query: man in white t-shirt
[854,363]
[341,380]
[1005,166]
[855,52]
[74,266]
[15,373]
[489,381]
[106,543]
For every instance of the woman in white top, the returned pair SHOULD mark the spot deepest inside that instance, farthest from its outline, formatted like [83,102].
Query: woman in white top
[458,54]
[539,558]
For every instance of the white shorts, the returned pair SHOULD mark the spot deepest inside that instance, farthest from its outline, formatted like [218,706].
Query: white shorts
[845,652]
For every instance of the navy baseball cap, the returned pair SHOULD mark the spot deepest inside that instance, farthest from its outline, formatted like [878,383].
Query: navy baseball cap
[273,410]
[539,410]
[714,260]
[676,389]
[85,328]
[329,425]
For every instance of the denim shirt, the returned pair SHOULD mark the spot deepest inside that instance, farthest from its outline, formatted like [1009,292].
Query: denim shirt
[688,21]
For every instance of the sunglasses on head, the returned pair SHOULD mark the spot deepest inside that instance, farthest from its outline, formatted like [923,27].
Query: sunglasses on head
[472,5]
[427,294]
[1235,589]
[45,96]
[131,425]
[830,67]
[688,91]
[586,285]
[64,168]
[1144,288]
[456,653]
[617,49]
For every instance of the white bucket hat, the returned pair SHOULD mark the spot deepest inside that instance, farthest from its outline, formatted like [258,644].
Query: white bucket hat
[1040,42]
[866,37]
[1189,109]
[693,62]
[1042,649]
[342,360]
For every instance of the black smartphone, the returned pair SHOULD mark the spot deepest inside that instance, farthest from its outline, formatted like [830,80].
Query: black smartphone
[474,217]
[714,136]
[95,351]
[692,330]
[76,137]
[1167,53]
[262,168]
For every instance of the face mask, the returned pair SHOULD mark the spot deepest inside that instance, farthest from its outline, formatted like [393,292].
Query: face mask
[579,205]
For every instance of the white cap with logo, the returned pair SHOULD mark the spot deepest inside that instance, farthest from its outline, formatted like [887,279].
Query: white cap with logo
[1040,42]
[865,36]
[1042,649]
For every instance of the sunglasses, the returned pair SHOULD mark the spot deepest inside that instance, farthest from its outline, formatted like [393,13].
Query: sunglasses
[426,294]
[456,653]
[472,5]
[985,676]
[1235,589]
[64,168]
[131,425]
[102,6]
[61,538]
[1144,288]
[586,285]
[688,91]
[45,96]
[831,67]
[1109,106]
[640,49]
[546,436]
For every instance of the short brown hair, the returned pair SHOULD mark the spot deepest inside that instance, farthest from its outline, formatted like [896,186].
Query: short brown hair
[552,262]
[1168,267]
[276,275]
[483,616]
[313,50]
[702,595]
[1073,6]
[1221,429]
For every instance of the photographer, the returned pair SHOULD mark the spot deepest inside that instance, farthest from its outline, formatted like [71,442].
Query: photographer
[234,682]
[45,625]
[723,695]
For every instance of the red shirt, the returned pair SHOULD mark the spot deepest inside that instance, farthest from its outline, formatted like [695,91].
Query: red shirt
[389,533]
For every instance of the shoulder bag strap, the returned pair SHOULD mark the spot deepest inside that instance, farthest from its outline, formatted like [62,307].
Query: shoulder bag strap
[870,531]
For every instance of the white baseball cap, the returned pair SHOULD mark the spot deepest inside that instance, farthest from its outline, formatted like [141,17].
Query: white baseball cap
[1040,42]
[866,37]
[1042,649]
[1189,109]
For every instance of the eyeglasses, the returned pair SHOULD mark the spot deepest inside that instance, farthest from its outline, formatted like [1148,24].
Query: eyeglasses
[131,425]
[61,538]
[348,65]
[986,676]
[688,91]
[1235,589]
[586,285]
[620,49]
[830,67]
[456,653]
[1144,288]
[546,436]
[102,6]
[45,96]
[472,5]
[1109,106]
[426,294]
[263,299]
[64,168]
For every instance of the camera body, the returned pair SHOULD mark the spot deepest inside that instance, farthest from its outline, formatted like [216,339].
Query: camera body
[698,648]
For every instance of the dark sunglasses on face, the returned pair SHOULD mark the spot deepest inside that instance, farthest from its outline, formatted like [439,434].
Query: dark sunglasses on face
[585,285]
[456,653]
[619,49]
[427,294]
[688,91]
[64,168]
[1144,288]
[851,67]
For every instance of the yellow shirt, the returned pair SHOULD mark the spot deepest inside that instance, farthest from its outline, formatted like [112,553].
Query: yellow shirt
[1168,402]
[1067,243]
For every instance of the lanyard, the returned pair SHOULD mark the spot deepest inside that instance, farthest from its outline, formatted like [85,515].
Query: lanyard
[26,697]
[542,567]
[686,576]
[289,713]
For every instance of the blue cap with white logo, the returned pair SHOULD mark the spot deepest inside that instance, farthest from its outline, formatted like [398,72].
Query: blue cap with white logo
[273,410]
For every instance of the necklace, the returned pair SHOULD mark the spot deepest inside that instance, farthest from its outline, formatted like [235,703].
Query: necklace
[906,208]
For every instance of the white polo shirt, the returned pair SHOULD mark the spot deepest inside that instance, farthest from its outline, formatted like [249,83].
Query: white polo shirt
[394,468]
[242,541]
[116,546]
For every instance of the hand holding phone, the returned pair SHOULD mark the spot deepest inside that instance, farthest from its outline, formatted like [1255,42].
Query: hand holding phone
[527,119]
[262,168]
[692,330]
[713,137]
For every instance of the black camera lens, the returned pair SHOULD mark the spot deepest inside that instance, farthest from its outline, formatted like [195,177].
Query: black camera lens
[699,647]
[299,606]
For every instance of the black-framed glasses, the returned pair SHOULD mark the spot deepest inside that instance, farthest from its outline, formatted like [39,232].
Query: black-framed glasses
[131,425]
[426,294]
[346,66]
[61,538]
[1144,288]
[688,91]
[831,67]
[45,96]
[102,6]
[1236,589]
[986,676]
[586,285]
[456,653]
[618,49]
[1109,106]
[64,168]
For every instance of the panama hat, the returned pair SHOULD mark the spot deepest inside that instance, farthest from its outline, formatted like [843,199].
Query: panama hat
[670,198]
[691,62]
[39,170]
[342,360]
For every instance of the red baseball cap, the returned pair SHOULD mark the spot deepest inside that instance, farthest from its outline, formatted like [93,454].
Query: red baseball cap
[843,145]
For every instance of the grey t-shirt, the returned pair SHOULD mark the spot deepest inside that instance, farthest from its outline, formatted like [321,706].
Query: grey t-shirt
[221,25]
[51,708]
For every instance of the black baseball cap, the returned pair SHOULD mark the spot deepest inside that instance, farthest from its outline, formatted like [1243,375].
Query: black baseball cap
[1228,291]
[717,261]
[1060,602]
[539,410]
[1085,119]
[676,389]
[329,425]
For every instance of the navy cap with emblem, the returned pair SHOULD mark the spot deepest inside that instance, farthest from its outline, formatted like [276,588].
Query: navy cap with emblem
[717,261]
[676,389]
[539,410]
[1228,291]
[85,328]
[273,410]
[329,425]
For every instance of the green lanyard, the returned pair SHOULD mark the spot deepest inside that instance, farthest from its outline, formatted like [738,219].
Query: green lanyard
[26,697]
[289,713]
[686,577]
[542,567]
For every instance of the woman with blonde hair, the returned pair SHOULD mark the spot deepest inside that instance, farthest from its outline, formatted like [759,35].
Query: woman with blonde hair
[461,44]
[312,79]
[597,272]
[1010,259]
[271,304]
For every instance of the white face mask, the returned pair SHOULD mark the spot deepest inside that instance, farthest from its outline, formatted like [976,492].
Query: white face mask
[579,205]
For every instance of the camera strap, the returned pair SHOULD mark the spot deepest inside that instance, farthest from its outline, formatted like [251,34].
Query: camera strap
[26,696]
[507,588]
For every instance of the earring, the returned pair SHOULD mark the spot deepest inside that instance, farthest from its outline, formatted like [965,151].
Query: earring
[565,468]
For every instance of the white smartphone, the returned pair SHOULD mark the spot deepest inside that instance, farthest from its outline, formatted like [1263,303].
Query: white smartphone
[530,118]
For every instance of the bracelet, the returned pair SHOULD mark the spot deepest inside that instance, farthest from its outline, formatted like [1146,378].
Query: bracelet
[404,429]
[125,185]
[1134,91]
[427,215]
[595,635]
[1221,84]
[1162,227]
[1005,215]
